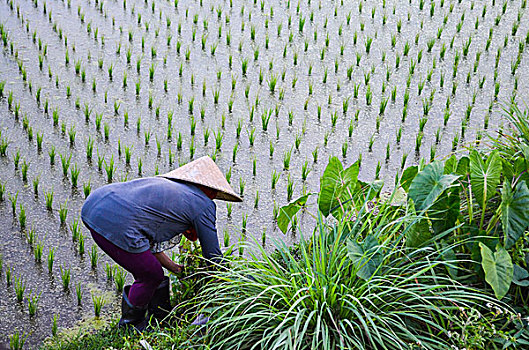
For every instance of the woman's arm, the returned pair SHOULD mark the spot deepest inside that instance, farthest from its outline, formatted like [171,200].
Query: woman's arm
[169,264]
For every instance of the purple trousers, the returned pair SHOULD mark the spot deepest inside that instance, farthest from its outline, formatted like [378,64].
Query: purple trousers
[145,268]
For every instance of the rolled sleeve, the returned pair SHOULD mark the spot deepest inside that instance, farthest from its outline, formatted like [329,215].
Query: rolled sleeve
[205,225]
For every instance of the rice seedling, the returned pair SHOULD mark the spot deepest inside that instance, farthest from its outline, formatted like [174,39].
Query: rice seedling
[63,212]
[111,71]
[65,162]
[20,288]
[242,185]
[4,143]
[99,301]
[368,43]
[286,159]
[219,136]
[10,100]
[297,141]
[325,139]
[17,340]
[383,105]
[54,326]
[8,275]
[418,141]
[65,277]
[37,252]
[16,159]
[74,174]
[33,303]
[76,230]
[120,276]
[254,166]
[13,199]
[94,257]
[50,259]
[290,188]
[31,237]
[345,145]
[79,293]
[109,168]
[234,152]
[377,171]
[22,217]
[24,171]
[369,97]
[109,271]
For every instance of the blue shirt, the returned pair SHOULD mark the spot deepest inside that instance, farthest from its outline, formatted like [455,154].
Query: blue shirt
[134,215]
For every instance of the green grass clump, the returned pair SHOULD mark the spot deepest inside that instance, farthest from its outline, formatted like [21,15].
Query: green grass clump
[372,308]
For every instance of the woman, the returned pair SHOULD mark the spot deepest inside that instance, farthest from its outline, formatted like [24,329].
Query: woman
[134,222]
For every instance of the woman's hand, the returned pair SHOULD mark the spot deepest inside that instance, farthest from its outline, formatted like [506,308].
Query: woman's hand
[169,264]
[177,269]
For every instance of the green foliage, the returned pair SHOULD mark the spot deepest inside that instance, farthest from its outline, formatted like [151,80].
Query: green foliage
[484,178]
[365,255]
[498,269]
[429,184]
[17,340]
[334,292]
[514,212]
[335,185]
[287,213]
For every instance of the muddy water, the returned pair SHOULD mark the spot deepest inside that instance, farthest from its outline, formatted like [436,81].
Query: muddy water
[94,30]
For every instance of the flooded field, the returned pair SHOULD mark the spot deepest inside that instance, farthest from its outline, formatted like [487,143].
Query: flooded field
[96,91]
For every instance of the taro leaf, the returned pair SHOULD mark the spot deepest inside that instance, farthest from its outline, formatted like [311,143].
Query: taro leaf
[478,236]
[450,165]
[429,184]
[287,212]
[407,177]
[445,210]
[330,184]
[520,276]
[484,176]
[520,166]
[508,168]
[418,234]
[525,151]
[365,256]
[372,189]
[514,211]
[396,198]
[334,184]
[463,166]
[516,168]
[498,269]
[458,167]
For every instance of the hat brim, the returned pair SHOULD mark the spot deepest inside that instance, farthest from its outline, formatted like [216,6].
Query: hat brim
[205,172]
[221,195]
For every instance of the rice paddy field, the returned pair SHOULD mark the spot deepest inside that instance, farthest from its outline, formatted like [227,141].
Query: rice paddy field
[95,91]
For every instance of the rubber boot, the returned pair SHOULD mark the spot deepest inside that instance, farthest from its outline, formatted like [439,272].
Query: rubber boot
[160,305]
[132,315]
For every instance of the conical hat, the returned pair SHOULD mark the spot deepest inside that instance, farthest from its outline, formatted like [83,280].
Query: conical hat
[205,172]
